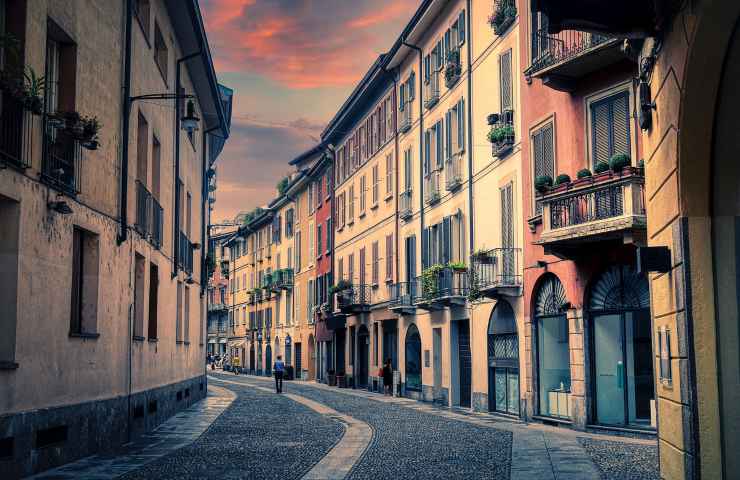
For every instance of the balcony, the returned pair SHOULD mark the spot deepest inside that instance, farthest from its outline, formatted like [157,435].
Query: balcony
[149,216]
[608,207]
[431,90]
[355,299]
[217,307]
[225,268]
[282,279]
[501,134]
[257,295]
[406,119]
[406,209]
[561,59]
[441,287]
[16,132]
[185,257]
[431,188]
[454,171]
[60,167]
[402,297]
[497,272]
[453,68]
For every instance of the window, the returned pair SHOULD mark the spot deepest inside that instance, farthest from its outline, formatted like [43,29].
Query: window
[142,150]
[389,175]
[407,170]
[297,249]
[389,257]
[376,263]
[142,10]
[340,269]
[10,219]
[161,54]
[311,196]
[311,251]
[289,223]
[186,315]
[156,161]
[288,310]
[85,270]
[506,84]
[363,278]
[351,213]
[610,128]
[363,189]
[543,155]
[351,268]
[178,314]
[376,185]
[319,190]
[309,300]
[139,275]
[277,311]
[319,250]
[328,236]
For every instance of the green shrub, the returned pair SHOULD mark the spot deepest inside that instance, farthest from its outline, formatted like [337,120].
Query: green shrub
[562,179]
[619,161]
[641,163]
[601,167]
[583,173]
[542,183]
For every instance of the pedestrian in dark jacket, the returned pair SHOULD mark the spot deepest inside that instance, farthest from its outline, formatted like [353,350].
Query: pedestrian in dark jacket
[279,369]
[388,377]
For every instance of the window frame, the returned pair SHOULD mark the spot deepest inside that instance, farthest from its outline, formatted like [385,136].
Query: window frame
[614,90]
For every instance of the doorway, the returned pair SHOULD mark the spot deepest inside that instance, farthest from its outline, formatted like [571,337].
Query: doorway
[251,359]
[268,360]
[465,362]
[503,360]
[622,356]
[437,362]
[298,360]
[363,354]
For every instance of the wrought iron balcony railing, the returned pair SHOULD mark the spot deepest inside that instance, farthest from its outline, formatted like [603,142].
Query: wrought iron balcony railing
[406,209]
[454,171]
[447,286]
[217,307]
[149,216]
[354,299]
[550,49]
[402,295]
[283,279]
[60,166]
[16,132]
[432,192]
[499,268]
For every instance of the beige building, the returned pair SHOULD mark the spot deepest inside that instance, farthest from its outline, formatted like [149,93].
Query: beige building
[102,245]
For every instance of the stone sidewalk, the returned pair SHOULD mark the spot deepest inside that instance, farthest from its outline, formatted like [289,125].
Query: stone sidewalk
[178,431]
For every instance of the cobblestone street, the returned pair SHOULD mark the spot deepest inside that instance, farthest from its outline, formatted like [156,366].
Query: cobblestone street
[313,431]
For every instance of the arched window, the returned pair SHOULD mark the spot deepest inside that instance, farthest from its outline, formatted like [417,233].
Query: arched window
[413,359]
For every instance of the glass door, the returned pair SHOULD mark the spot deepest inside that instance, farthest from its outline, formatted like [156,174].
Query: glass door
[609,367]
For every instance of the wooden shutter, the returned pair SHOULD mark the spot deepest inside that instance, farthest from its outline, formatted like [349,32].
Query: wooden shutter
[389,256]
[402,97]
[410,258]
[340,268]
[427,151]
[351,267]
[448,132]
[506,83]
[461,125]
[610,128]
[362,266]
[425,248]
[544,161]
[427,68]
[461,28]
[440,147]
[446,240]
[411,89]
[507,217]
[376,262]
[407,169]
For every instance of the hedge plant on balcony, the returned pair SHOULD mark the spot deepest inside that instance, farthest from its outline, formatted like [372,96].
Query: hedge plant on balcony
[503,16]
[601,167]
[583,173]
[20,81]
[430,281]
[543,183]
[619,161]
[340,286]
[458,266]
[562,179]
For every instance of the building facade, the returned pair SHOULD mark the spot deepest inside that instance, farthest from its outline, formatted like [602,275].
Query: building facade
[218,294]
[103,246]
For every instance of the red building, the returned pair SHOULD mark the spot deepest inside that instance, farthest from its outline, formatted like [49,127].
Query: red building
[586,307]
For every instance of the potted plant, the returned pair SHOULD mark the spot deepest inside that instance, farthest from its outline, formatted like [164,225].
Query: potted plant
[601,167]
[583,173]
[619,161]
[453,68]
[562,179]
[503,16]
[458,266]
[33,91]
[484,257]
[430,281]
[543,183]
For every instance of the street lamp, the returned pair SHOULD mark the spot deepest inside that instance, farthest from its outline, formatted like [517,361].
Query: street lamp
[190,122]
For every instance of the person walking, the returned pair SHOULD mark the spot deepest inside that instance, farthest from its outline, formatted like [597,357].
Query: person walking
[279,369]
[388,378]
[235,365]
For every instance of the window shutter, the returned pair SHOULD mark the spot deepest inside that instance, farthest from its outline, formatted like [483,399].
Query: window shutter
[544,159]
[507,217]
[427,151]
[446,240]
[402,98]
[389,256]
[411,258]
[412,86]
[506,84]
[461,27]
[407,169]
[440,147]
[448,132]
[600,132]
[461,125]
[362,266]
[427,68]
[620,124]
[425,248]
[447,45]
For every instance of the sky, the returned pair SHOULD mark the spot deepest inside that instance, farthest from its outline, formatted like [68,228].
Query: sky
[291,63]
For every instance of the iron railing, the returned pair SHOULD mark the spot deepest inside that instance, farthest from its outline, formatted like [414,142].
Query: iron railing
[431,188]
[16,132]
[431,89]
[551,49]
[356,295]
[60,166]
[149,215]
[403,294]
[447,283]
[406,120]
[406,209]
[454,171]
[283,279]
[215,307]
[499,267]
[504,124]
[453,68]
[613,197]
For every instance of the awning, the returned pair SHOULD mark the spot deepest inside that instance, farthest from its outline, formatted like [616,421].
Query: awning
[323,334]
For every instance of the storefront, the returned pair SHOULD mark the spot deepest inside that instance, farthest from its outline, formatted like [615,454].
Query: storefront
[503,360]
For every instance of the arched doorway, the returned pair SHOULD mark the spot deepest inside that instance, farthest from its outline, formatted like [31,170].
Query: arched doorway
[268,360]
[311,358]
[553,354]
[503,360]
[363,356]
[251,358]
[412,356]
[621,347]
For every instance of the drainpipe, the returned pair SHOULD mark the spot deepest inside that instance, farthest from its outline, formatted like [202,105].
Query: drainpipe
[123,210]
[176,133]
[421,146]
[395,75]
[471,220]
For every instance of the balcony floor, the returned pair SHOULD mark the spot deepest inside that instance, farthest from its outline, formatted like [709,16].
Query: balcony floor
[567,242]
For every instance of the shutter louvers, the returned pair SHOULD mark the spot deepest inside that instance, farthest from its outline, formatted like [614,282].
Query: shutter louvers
[461,125]
[620,125]
[412,86]
[461,27]
[506,84]
[440,146]
[425,249]
[446,242]
[600,133]
[402,98]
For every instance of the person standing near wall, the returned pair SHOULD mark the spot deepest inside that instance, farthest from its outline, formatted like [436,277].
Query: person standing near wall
[279,368]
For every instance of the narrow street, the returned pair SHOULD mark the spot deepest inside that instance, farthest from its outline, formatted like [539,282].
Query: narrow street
[299,435]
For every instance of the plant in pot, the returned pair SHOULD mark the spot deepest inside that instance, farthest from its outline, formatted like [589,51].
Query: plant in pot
[33,91]
[484,257]
[90,129]
[501,135]
[601,167]
[502,17]
[619,161]
[583,173]
[453,68]
[562,179]
[430,281]
[458,266]
[543,183]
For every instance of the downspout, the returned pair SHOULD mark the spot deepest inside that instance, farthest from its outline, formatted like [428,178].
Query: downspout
[395,74]
[470,131]
[123,207]
[176,133]
[421,146]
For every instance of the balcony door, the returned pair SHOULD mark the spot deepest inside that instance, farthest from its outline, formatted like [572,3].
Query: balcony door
[507,233]
[622,361]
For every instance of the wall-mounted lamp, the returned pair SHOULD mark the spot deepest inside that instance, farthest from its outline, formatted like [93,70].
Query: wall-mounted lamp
[190,122]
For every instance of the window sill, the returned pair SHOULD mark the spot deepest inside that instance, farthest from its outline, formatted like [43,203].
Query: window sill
[389,197]
[91,336]
[8,366]
[374,206]
[179,342]
[138,338]
[362,215]
[152,340]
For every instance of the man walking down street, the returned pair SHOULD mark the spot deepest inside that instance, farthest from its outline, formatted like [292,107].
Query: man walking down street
[279,369]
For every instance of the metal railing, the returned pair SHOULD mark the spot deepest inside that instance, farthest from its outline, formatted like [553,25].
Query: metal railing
[186,253]
[16,132]
[60,166]
[406,118]
[615,196]
[403,294]
[431,188]
[551,49]
[214,307]
[504,123]
[283,279]
[445,284]
[454,171]
[431,89]
[406,208]
[453,68]
[356,295]
[149,215]
[499,267]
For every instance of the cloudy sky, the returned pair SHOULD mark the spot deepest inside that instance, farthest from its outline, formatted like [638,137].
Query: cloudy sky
[291,63]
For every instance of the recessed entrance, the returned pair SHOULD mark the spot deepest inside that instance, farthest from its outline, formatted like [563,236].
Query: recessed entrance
[503,360]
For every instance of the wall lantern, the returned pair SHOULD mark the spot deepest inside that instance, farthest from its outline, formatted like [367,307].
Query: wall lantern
[190,122]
